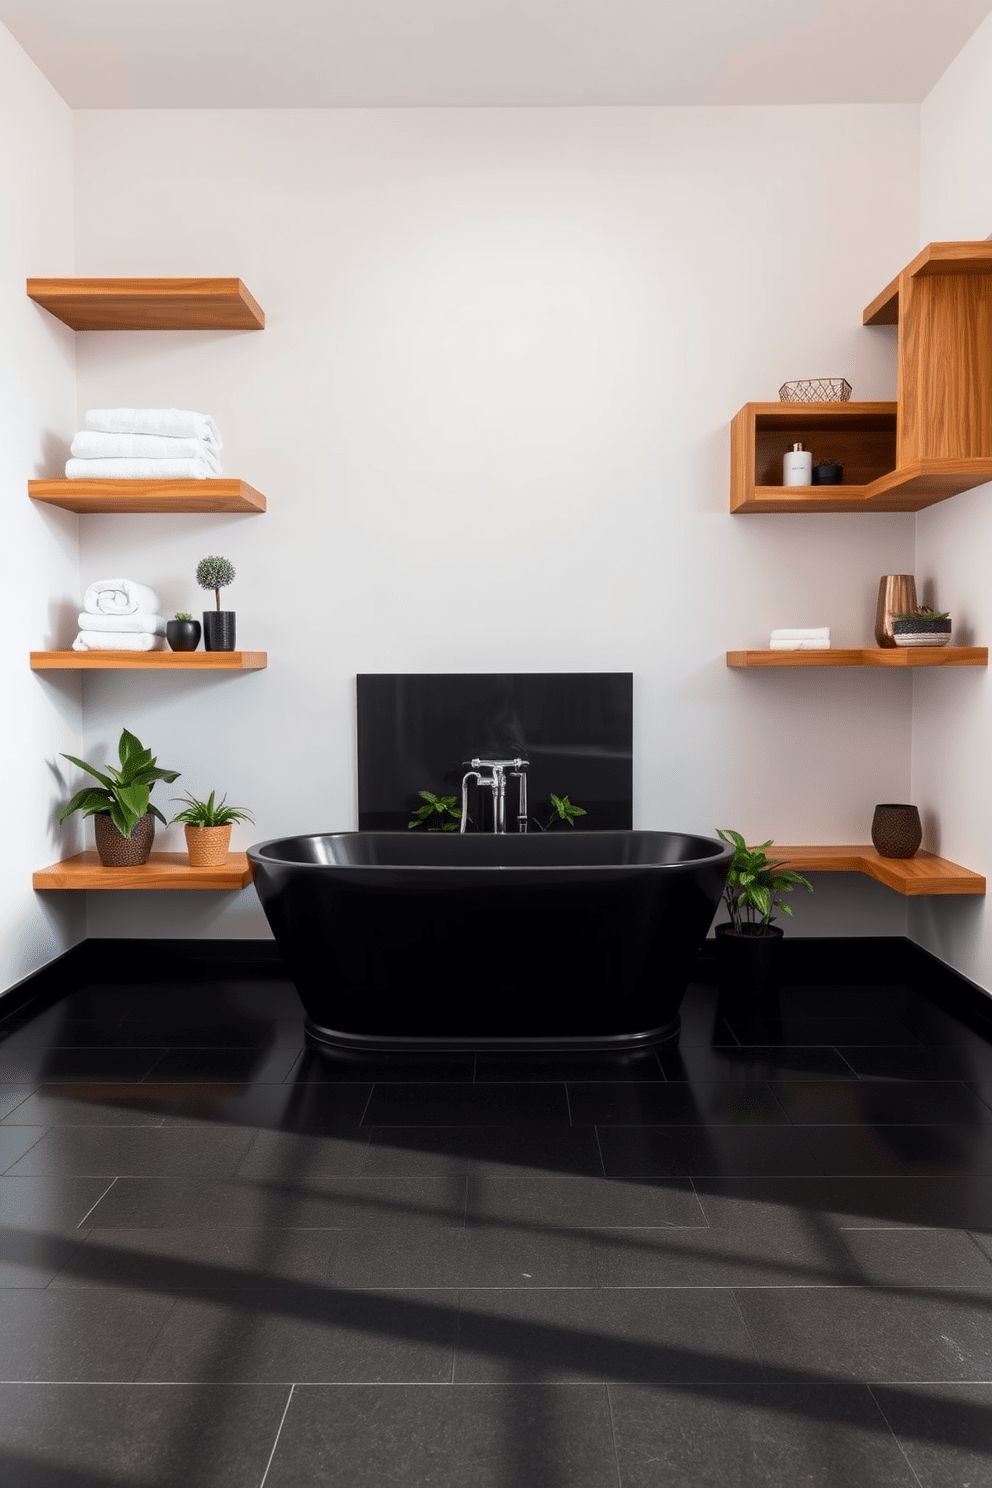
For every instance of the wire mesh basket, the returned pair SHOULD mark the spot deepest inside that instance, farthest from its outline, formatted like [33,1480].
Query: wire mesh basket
[816,390]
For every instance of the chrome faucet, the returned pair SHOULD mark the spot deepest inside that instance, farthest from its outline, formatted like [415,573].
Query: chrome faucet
[500,771]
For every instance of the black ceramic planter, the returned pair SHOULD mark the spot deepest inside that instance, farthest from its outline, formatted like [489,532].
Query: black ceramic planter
[218,630]
[183,635]
[747,961]
[915,632]
[828,473]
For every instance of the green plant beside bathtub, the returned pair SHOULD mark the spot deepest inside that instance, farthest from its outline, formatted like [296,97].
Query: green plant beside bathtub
[123,793]
[562,811]
[435,811]
[755,885]
[210,813]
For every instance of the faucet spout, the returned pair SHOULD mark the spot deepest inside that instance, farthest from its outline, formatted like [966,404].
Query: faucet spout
[499,770]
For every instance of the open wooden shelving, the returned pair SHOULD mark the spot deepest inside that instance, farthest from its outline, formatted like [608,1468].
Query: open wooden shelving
[869,656]
[148,495]
[149,304]
[164,870]
[917,877]
[973,257]
[149,661]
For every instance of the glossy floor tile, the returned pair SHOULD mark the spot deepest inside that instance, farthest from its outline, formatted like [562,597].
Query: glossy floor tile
[760,1254]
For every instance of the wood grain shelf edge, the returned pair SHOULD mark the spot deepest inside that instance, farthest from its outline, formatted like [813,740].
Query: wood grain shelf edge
[921,876]
[149,304]
[164,870]
[149,661]
[868,656]
[214,495]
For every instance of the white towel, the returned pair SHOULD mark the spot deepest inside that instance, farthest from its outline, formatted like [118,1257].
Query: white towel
[141,620]
[812,633]
[812,645]
[138,470]
[102,640]
[89,445]
[175,423]
[120,597]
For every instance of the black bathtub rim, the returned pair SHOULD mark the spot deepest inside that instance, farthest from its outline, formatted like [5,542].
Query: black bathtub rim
[259,856]
[333,1038]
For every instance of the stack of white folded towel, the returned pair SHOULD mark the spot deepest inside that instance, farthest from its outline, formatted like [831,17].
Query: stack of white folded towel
[119,615]
[145,444]
[811,639]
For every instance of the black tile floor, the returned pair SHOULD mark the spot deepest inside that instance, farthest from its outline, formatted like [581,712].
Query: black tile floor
[762,1256]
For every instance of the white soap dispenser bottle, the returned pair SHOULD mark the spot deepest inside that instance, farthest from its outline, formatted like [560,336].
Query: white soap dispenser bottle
[797,467]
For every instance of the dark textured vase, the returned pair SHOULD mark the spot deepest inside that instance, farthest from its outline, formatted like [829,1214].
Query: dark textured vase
[218,630]
[118,851]
[183,635]
[896,830]
[747,961]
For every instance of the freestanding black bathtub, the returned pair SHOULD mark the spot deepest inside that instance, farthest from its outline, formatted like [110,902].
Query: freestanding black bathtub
[559,939]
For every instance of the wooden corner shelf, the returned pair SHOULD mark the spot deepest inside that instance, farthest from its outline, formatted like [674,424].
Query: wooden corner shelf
[164,870]
[149,304]
[149,661]
[936,258]
[148,495]
[916,877]
[869,656]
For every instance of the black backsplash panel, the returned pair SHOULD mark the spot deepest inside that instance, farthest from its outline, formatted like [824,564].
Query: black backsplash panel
[416,731]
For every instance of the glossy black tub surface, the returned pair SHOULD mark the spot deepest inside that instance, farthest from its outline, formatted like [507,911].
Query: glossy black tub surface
[557,939]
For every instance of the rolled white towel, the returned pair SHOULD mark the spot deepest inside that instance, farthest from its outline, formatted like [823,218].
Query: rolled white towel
[175,423]
[120,597]
[811,633]
[799,645]
[141,620]
[90,445]
[103,640]
[138,470]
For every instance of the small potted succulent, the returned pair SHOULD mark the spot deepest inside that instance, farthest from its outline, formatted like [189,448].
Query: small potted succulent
[922,627]
[183,632]
[218,624]
[747,943]
[208,829]
[828,472]
[123,818]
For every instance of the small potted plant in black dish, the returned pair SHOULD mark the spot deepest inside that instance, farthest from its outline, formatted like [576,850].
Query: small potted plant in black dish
[922,627]
[828,473]
[747,944]
[218,624]
[183,632]
[123,818]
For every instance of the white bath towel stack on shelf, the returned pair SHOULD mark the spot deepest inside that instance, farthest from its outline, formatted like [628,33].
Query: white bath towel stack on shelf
[811,639]
[120,615]
[145,444]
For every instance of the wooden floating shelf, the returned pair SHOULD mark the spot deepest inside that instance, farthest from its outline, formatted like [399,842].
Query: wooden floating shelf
[149,304]
[149,661]
[164,870]
[870,656]
[915,877]
[148,495]
[936,258]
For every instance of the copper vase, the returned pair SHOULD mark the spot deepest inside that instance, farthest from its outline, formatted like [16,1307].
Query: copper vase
[896,596]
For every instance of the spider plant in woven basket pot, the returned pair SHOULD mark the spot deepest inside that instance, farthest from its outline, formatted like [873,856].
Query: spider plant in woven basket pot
[208,829]
[123,817]
[747,944]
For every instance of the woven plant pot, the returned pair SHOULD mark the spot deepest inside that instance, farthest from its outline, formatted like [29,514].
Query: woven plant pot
[118,851]
[208,847]
[896,830]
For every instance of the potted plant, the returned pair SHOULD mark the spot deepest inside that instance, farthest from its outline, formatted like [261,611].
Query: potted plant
[828,473]
[218,624]
[183,632]
[746,943]
[922,627]
[440,807]
[208,829]
[123,818]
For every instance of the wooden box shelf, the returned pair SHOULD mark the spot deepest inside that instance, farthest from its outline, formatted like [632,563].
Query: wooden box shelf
[868,656]
[149,661]
[149,304]
[164,870]
[862,436]
[148,495]
[916,877]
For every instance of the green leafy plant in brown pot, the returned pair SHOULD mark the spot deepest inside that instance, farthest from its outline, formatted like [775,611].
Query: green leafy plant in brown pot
[124,818]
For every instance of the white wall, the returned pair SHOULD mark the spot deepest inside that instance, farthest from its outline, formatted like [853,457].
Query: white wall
[38,556]
[490,412]
[952,725]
